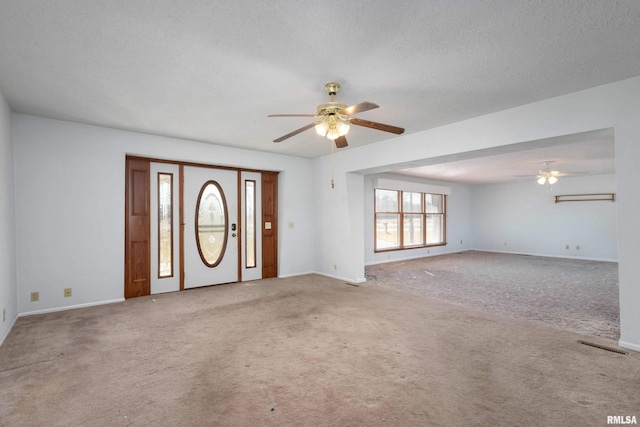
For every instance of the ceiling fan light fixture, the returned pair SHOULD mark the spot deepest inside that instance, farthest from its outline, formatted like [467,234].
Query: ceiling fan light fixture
[547,179]
[322,128]
[343,127]
[333,134]
[332,128]
[546,175]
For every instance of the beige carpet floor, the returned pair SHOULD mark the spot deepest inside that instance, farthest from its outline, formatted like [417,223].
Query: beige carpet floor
[305,351]
[571,294]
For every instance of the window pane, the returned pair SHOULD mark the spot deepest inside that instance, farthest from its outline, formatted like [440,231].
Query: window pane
[250,221]
[165,229]
[387,235]
[435,229]
[413,230]
[386,201]
[433,203]
[411,202]
[211,224]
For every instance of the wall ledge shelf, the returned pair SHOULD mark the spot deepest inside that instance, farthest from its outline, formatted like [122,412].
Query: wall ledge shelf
[596,197]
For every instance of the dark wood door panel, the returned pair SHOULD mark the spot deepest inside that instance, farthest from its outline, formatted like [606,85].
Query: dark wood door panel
[137,229]
[269,224]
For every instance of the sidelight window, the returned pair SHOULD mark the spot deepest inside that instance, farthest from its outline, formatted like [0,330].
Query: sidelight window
[165,225]
[250,223]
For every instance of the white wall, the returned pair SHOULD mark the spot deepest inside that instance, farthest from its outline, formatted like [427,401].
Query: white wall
[522,217]
[458,222]
[8,285]
[70,182]
[628,177]
[615,105]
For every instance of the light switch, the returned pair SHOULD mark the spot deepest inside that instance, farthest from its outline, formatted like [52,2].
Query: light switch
[267,226]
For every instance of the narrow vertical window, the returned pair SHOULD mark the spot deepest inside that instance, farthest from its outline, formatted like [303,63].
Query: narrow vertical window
[250,223]
[413,219]
[165,225]
[387,211]
[434,206]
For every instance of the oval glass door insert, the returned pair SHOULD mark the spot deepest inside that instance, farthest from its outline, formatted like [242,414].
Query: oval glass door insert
[211,223]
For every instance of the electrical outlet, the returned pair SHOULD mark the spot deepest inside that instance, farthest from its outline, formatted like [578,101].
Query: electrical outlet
[335,267]
[566,247]
[35,296]
[578,248]
[67,292]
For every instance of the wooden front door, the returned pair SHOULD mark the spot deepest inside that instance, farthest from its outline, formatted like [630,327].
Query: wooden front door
[224,222]
[210,226]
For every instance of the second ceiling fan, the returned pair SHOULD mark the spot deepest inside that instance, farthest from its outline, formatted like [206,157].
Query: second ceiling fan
[334,119]
[548,176]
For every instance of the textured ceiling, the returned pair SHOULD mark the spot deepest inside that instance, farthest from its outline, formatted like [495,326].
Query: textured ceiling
[587,153]
[213,70]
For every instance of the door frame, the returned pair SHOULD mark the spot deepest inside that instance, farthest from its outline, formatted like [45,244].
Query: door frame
[141,234]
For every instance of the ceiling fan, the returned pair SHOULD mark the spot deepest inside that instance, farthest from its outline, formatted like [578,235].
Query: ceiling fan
[548,176]
[334,119]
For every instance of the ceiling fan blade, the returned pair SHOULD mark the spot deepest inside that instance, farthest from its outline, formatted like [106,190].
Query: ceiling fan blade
[291,115]
[295,132]
[377,126]
[571,173]
[341,142]
[358,108]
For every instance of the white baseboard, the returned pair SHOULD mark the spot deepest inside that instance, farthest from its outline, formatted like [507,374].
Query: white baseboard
[545,255]
[357,280]
[284,276]
[408,258]
[344,279]
[69,307]
[630,346]
[6,334]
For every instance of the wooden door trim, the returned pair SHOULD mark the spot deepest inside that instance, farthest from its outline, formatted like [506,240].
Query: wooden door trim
[198,165]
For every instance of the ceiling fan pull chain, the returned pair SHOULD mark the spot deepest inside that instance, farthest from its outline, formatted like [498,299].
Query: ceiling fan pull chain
[332,164]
